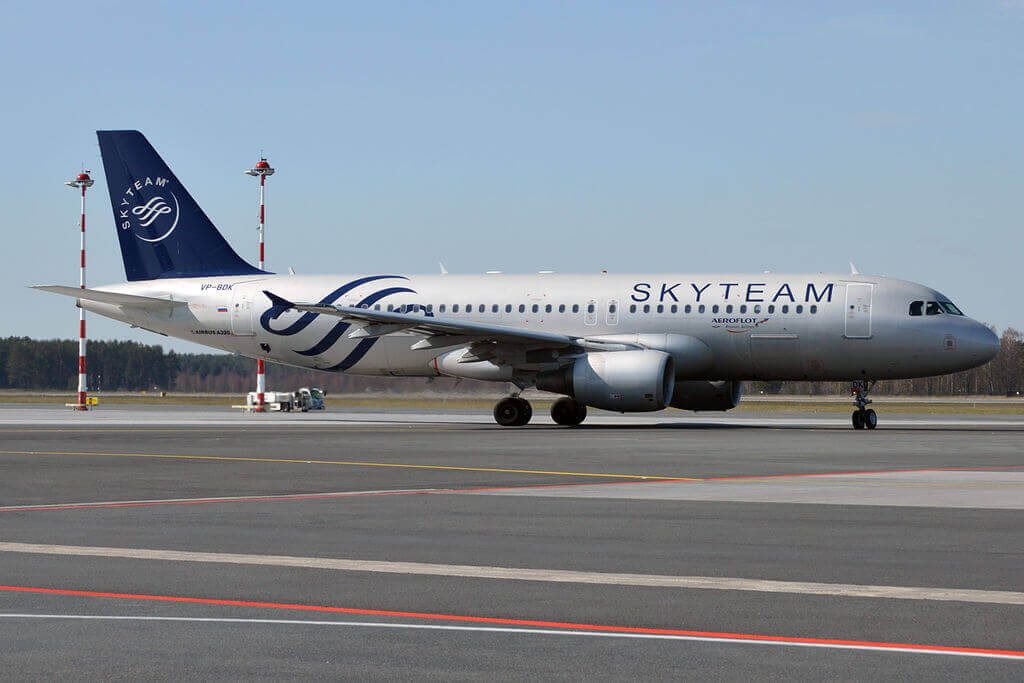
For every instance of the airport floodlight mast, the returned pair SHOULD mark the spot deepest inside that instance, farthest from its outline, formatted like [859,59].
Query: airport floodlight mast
[262,169]
[83,181]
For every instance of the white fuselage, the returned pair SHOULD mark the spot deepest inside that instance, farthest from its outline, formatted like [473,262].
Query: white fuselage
[766,326]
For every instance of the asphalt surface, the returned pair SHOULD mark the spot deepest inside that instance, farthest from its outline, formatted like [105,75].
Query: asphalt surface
[362,545]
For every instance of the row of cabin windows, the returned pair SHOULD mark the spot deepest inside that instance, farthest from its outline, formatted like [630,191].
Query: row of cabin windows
[612,308]
[715,308]
[933,308]
[482,308]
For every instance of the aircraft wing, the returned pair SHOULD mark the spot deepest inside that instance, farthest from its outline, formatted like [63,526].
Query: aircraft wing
[115,298]
[440,332]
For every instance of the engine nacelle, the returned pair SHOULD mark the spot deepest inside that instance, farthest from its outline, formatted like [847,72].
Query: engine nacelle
[623,381]
[702,395]
[692,356]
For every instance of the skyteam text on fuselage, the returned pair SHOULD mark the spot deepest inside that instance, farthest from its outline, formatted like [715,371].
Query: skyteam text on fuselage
[625,343]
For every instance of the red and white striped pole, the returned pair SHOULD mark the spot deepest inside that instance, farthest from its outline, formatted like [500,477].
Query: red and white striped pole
[83,181]
[261,169]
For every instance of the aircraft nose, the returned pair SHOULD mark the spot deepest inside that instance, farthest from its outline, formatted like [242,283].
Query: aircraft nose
[982,342]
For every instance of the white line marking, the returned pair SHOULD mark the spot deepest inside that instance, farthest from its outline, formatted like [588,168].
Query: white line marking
[902,649]
[546,575]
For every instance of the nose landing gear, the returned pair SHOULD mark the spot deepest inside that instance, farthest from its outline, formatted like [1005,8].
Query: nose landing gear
[863,417]
[512,411]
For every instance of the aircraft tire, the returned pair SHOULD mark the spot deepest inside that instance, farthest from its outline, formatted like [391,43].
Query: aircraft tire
[870,418]
[512,412]
[568,412]
[858,419]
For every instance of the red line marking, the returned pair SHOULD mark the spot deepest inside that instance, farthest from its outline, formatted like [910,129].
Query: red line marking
[510,622]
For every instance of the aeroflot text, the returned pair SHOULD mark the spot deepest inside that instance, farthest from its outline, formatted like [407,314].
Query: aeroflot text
[752,292]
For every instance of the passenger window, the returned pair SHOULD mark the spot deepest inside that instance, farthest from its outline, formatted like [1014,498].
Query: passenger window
[482,308]
[757,308]
[632,308]
[675,308]
[743,308]
[494,308]
[661,308]
[701,308]
[688,308]
[590,308]
[522,308]
[575,308]
[508,308]
[612,308]
[547,309]
[728,309]
[455,308]
[932,308]
[785,308]
[771,308]
[814,309]
[391,307]
[561,308]
[535,308]
[714,309]
[916,307]
[647,308]
[442,308]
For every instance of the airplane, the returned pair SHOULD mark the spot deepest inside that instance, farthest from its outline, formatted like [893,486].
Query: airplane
[623,343]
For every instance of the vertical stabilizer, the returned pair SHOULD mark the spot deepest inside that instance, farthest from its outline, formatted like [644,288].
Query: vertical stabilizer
[162,231]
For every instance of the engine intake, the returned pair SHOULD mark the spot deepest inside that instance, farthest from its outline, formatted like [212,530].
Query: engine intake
[623,381]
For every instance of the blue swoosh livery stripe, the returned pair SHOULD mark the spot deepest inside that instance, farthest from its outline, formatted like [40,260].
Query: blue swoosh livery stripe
[356,355]
[339,329]
[306,319]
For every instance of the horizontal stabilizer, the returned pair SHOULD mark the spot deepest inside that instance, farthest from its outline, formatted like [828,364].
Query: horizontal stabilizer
[114,298]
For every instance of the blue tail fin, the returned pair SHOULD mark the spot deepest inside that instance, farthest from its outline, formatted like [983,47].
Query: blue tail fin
[163,232]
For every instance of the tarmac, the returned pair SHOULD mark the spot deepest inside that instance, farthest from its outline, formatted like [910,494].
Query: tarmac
[156,543]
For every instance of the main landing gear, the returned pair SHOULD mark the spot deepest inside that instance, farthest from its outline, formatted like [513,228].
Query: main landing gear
[512,412]
[569,412]
[516,412]
[863,417]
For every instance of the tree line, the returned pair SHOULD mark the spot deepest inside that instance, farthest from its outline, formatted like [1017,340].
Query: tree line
[33,364]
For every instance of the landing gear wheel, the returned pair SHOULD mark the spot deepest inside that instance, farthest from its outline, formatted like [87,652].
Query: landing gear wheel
[512,412]
[863,417]
[566,411]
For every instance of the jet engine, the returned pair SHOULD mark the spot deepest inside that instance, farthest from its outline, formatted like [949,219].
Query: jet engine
[623,381]
[702,395]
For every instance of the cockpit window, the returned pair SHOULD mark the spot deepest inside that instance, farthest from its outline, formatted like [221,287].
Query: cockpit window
[950,308]
[916,307]
[932,308]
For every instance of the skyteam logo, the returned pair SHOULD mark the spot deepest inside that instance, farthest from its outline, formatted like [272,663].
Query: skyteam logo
[149,209]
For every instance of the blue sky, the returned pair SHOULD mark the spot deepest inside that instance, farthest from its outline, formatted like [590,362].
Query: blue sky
[529,136]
